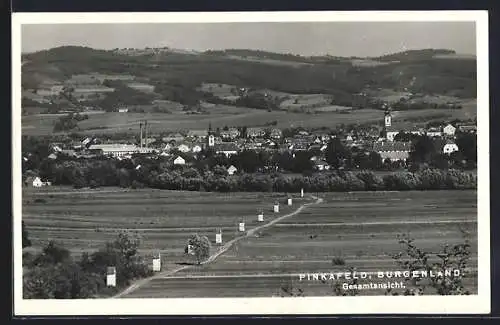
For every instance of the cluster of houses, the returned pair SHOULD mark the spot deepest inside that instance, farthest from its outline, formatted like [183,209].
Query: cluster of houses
[443,138]
[230,141]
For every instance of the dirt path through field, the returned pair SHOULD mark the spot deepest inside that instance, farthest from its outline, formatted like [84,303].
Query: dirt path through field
[221,251]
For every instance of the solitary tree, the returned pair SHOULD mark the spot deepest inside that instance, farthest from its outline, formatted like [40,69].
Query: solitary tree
[200,246]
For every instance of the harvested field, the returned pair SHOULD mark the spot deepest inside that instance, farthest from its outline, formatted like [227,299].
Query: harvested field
[221,116]
[85,220]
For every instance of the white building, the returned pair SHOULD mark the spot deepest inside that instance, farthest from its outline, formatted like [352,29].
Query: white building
[321,165]
[228,149]
[183,148]
[119,150]
[450,147]
[123,110]
[196,148]
[179,161]
[231,170]
[37,182]
[390,135]
[434,133]
[449,130]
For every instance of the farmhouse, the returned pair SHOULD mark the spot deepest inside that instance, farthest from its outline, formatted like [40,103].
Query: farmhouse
[179,161]
[393,150]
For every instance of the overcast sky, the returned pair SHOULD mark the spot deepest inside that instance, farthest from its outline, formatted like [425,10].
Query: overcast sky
[317,38]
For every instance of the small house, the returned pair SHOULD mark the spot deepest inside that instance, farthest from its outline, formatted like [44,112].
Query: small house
[468,128]
[434,133]
[196,148]
[179,161]
[37,182]
[183,148]
[321,165]
[450,147]
[276,133]
[231,170]
[449,130]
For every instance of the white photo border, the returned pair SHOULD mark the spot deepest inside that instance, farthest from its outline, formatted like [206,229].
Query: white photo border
[473,304]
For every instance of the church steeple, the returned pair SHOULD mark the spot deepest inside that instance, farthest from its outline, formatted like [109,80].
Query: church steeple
[387,118]
[387,122]
[210,136]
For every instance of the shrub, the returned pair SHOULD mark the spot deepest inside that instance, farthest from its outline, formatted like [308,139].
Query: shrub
[371,181]
[338,261]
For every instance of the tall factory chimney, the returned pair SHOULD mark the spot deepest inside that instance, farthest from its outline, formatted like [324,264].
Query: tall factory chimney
[140,143]
[146,127]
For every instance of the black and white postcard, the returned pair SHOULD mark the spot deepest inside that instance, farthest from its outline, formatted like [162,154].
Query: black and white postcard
[251,163]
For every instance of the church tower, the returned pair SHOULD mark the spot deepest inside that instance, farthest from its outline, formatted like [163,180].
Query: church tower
[388,118]
[210,136]
[387,123]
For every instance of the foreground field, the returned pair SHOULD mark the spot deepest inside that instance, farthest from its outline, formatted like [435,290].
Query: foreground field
[129,122]
[84,220]
[332,234]
[361,229]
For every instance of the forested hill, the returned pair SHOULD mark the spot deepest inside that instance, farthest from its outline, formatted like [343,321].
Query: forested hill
[414,55]
[418,71]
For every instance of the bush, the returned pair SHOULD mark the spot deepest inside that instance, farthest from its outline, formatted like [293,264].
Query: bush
[338,261]
[371,181]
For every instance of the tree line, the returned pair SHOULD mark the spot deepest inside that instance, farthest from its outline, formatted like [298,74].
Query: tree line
[164,175]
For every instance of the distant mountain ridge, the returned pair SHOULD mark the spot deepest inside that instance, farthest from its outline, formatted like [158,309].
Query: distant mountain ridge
[397,56]
[180,73]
